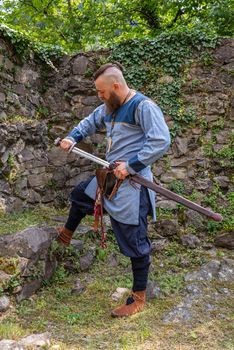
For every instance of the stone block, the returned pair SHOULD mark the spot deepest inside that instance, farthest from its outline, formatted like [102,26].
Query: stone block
[224,53]
[81,177]
[195,219]
[57,157]
[223,181]
[90,100]
[190,240]
[4,303]
[33,197]
[206,273]
[166,227]
[2,97]
[7,344]
[88,259]
[203,184]
[29,243]
[180,146]
[36,341]
[80,65]
[223,136]
[20,89]
[37,180]
[159,244]
[3,115]
[48,197]
[179,173]
[225,241]
[215,106]
[3,205]
[212,117]
[6,77]
[168,177]
[26,75]
[8,65]
[28,290]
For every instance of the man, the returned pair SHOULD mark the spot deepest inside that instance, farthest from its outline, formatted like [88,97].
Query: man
[137,136]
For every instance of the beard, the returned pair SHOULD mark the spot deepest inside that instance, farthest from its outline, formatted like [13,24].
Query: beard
[113,103]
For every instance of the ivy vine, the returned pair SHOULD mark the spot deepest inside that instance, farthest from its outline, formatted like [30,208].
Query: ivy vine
[24,46]
[155,67]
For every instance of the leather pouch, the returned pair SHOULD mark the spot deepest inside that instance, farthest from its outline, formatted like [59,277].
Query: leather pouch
[107,182]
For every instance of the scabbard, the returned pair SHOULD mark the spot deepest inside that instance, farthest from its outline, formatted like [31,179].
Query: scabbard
[149,184]
[175,197]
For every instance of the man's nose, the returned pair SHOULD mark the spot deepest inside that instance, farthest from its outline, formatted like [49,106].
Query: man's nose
[100,95]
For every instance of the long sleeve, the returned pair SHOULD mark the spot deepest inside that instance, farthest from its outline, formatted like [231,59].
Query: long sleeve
[157,137]
[89,125]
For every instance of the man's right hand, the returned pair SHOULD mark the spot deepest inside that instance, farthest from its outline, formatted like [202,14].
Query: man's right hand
[65,144]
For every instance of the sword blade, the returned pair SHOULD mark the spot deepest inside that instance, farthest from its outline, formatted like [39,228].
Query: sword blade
[87,155]
[84,154]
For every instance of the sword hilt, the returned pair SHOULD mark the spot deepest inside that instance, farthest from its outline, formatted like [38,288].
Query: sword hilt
[57,142]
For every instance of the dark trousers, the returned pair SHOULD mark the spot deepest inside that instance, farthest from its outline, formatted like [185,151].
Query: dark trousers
[132,239]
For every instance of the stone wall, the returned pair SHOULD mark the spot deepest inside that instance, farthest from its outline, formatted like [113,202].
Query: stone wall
[21,84]
[38,104]
[194,156]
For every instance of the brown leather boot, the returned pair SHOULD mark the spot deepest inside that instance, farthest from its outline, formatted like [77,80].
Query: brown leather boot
[128,309]
[64,235]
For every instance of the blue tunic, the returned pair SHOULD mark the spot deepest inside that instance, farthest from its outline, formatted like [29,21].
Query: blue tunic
[139,136]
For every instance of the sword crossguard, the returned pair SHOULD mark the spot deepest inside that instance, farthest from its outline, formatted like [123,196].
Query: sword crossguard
[112,166]
[71,148]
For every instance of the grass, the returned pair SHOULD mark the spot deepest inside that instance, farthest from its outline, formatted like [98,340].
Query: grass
[13,222]
[85,320]
[78,322]
[9,329]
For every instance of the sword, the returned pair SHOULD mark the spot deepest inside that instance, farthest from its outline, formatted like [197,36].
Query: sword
[149,184]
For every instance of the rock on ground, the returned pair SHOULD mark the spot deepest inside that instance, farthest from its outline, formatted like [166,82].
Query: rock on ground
[225,241]
[34,341]
[4,303]
[190,240]
[222,270]
[119,293]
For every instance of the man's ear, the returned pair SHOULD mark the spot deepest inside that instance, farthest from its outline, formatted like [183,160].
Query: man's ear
[116,86]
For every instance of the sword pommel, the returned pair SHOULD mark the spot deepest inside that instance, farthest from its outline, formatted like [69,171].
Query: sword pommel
[57,141]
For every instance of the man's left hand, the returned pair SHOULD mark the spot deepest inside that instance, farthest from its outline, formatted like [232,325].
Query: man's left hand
[120,170]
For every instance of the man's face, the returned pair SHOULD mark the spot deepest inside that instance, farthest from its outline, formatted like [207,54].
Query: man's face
[107,93]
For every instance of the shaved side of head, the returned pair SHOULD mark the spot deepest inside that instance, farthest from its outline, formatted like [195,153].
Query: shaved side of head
[111,86]
[111,73]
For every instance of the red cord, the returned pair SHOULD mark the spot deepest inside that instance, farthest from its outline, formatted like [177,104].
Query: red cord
[98,214]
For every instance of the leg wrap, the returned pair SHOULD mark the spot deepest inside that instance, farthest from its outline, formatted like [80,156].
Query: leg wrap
[64,235]
[74,218]
[140,269]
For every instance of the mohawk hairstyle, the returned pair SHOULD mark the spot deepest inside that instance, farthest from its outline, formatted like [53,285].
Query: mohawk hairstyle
[104,67]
